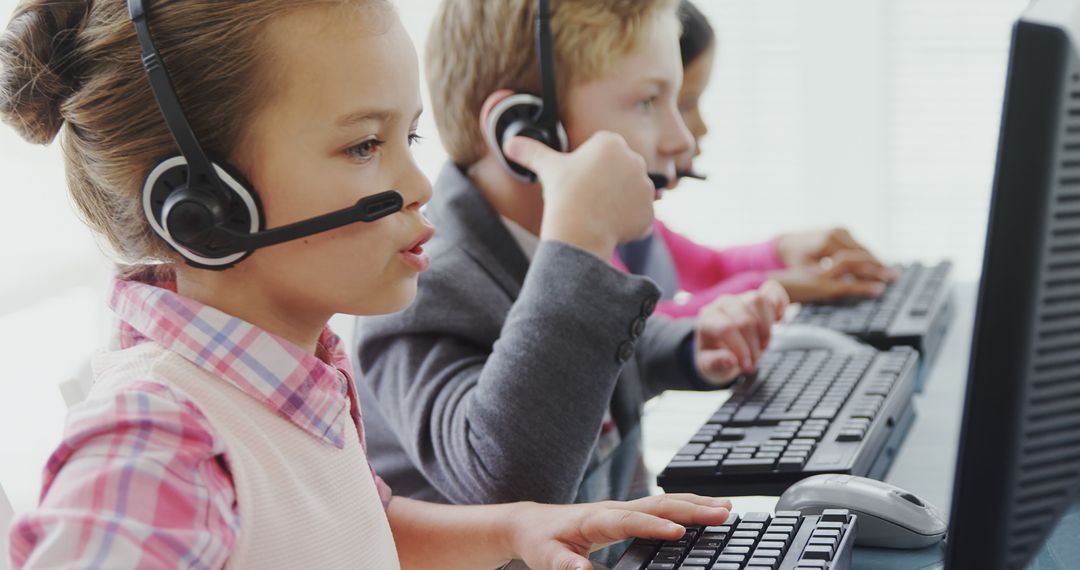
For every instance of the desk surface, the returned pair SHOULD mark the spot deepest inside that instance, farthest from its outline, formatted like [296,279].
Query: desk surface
[923,466]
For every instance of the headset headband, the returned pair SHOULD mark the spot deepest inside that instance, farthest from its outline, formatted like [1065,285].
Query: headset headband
[200,170]
[545,47]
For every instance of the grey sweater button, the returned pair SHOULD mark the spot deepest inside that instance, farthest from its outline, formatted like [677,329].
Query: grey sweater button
[625,352]
[648,306]
[637,328]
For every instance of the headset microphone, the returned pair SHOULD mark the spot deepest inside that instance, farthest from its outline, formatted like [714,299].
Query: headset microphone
[205,211]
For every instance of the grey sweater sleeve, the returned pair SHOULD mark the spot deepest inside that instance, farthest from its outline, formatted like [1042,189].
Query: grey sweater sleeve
[664,365]
[498,401]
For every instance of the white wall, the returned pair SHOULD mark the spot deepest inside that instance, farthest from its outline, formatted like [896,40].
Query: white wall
[881,115]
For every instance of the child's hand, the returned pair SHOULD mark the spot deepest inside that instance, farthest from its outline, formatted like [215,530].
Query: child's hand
[595,197]
[848,274]
[808,249]
[733,331]
[560,537]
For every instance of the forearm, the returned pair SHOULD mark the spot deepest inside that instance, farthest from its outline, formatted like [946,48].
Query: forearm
[740,283]
[478,536]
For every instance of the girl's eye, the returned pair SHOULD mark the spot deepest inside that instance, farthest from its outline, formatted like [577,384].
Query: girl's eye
[364,150]
[414,139]
[648,104]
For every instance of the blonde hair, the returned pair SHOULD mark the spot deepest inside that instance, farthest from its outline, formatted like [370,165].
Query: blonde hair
[74,66]
[477,47]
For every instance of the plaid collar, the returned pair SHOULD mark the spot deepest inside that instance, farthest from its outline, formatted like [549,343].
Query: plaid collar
[311,391]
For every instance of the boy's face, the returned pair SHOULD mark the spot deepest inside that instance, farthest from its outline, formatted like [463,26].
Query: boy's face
[345,102]
[638,100]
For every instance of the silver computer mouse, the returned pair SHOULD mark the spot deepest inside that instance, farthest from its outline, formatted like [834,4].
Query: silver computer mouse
[810,337]
[889,517]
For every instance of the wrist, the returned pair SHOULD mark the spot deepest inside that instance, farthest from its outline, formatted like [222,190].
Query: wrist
[599,243]
[511,527]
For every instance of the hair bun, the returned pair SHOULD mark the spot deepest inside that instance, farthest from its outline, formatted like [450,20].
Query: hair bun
[37,75]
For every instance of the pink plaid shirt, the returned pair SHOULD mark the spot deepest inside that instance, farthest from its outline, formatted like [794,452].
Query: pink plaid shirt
[140,479]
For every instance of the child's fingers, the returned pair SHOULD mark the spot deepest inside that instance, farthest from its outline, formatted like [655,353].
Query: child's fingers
[860,289]
[681,510]
[529,153]
[569,560]
[777,296]
[608,526]
[721,365]
[715,502]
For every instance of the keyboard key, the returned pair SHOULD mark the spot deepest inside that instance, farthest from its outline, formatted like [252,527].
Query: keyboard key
[735,550]
[726,566]
[825,533]
[696,561]
[756,517]
[834,516]
[817,553]
[691,449]
[746,415]
[732,434]
[807,564]
[693,467]
[788,463]
[748,465]
[782,416]
[661,566]
[850,435]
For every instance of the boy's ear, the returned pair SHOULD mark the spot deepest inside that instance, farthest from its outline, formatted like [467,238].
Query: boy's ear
[489,104]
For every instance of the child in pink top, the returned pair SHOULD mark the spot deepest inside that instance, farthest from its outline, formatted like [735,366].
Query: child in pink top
[315,104]
[811,266]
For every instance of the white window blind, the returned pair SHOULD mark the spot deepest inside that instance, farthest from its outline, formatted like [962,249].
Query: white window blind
[880,115]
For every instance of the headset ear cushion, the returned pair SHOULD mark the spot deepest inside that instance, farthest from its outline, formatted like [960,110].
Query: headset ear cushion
[244,211]
[515,115]
[241,214]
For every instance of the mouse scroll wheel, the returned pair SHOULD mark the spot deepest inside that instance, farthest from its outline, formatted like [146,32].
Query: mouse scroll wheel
[911,499]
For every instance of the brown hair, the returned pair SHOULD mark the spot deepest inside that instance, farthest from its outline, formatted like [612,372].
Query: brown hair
[477,47]
[73,66]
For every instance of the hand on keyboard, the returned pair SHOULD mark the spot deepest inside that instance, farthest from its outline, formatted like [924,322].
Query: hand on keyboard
[562,536]
[848,274]
[810,248]
[734,330]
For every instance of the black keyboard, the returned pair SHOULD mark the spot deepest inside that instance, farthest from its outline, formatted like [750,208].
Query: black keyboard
[914,311]
[806,412]
[756,541]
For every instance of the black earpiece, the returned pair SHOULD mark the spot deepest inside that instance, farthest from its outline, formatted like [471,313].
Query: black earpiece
[535,117]
[528,115]
[206,211]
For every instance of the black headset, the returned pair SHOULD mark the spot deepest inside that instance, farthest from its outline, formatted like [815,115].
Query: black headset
[527,115]
[537,118]
[208,212]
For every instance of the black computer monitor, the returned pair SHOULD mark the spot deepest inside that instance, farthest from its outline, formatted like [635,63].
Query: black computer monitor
[1018,469]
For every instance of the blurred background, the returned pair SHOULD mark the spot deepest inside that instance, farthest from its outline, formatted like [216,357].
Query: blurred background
[878,115]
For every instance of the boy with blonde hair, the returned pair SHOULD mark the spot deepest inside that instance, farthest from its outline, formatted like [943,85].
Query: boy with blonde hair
[521,370]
